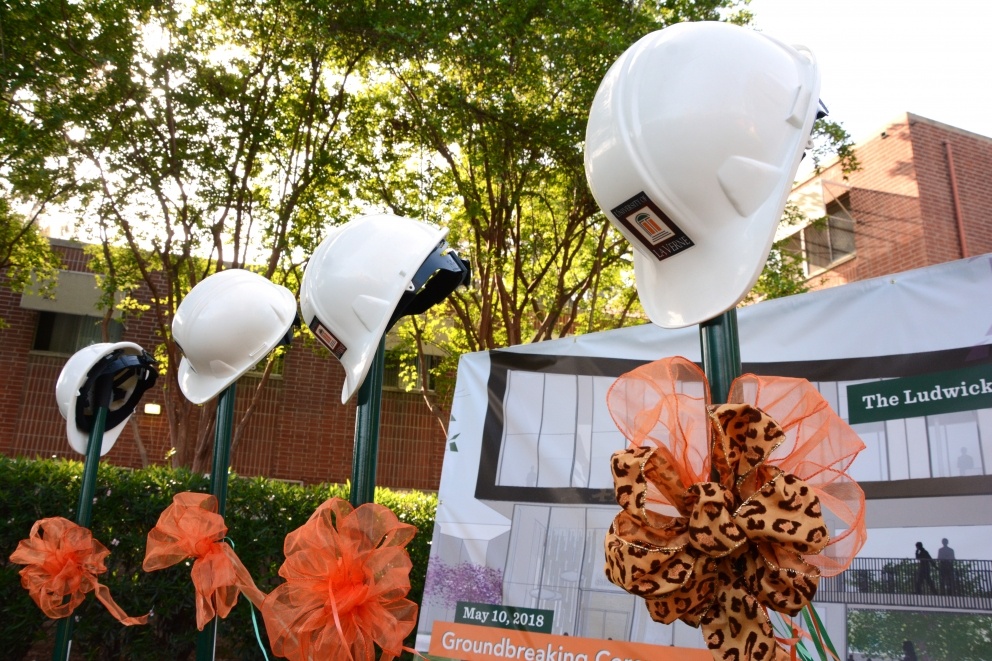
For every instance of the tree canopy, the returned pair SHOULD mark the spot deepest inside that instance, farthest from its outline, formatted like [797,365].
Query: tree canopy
[188,136]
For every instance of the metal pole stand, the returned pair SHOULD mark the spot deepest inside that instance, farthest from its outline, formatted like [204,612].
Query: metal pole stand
[721,350]
[84,511]
[206,640]
[367,431]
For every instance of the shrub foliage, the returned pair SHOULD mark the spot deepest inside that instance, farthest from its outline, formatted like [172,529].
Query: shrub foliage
[259,513]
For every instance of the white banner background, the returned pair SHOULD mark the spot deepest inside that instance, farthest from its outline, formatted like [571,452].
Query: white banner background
[943,312]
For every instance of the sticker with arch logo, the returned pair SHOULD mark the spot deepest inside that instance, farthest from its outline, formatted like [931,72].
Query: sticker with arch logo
[327,338]
[652,227]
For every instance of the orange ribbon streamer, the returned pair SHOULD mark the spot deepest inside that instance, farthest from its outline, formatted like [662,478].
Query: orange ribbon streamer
[722,505]
[62,560]
[191,528]
[347,575]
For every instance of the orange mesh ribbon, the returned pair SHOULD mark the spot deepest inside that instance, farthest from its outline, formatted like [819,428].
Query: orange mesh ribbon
[61,562]
[347,575]
[191,528]
[722,505]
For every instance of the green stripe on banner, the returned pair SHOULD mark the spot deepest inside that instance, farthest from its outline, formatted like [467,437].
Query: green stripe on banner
[965,389]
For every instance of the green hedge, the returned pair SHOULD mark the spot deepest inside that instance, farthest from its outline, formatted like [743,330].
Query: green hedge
[259,514]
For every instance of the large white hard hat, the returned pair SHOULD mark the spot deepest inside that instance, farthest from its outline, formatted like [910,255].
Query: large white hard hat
[364,276]
[225,326]
[692,145]
[132,372]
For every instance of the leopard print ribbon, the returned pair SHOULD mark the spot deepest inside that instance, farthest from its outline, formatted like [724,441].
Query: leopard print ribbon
[734,547]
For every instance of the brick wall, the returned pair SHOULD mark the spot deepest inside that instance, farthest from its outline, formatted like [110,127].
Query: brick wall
[937,147]
[902,199]
[298,430]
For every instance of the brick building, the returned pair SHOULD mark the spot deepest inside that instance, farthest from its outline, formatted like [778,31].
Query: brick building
[921,197]
[299,431]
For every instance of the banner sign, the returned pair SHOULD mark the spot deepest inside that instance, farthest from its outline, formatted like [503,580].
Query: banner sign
[475,643]
[526,493]
[929,394]
[504,617]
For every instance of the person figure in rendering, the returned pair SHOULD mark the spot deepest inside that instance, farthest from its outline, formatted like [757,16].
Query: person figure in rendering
[965,462]
[924,560]
[909,650]
[945,567]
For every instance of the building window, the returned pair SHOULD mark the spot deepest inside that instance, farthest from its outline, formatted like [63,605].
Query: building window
[402,371]
[64,333]
[558,433]
[825,243]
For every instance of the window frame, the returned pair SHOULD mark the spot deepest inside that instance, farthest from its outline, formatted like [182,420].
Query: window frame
[59,344]
[837,220]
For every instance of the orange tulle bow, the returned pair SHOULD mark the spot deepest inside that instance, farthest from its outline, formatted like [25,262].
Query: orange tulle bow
[347,575]
[191,528]
[722,505]
[61,561]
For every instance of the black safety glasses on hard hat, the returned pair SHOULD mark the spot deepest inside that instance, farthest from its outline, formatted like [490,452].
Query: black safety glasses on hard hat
[821,112]
[441,273]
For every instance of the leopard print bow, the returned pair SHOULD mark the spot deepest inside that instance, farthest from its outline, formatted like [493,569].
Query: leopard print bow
[735,545]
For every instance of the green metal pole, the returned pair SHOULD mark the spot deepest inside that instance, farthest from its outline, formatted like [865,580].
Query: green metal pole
[84,511]
[721,352]
[721,349]
[367,431]
[222,446]
[206,641]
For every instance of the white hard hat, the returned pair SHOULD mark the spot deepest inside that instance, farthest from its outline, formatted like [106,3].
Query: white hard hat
[132,371]
[692,145]
[364,276]
[225,326]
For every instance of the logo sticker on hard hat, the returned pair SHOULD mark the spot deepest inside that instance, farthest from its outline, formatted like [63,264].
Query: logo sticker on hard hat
[327,338]
[652,227]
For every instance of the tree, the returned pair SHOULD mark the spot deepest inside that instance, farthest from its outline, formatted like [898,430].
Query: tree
[190,136]
[33,156]
[881,633]
[484,118]
[485,114]
[25,255]
[194,137]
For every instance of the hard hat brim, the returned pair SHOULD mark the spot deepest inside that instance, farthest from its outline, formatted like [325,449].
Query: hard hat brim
[672,303]
[199,388]
[80,441]
[347,302]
